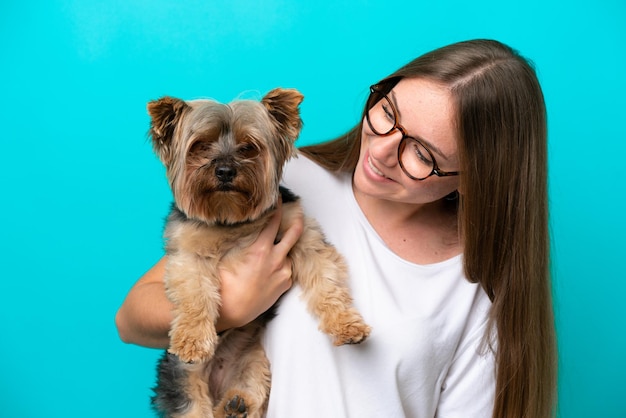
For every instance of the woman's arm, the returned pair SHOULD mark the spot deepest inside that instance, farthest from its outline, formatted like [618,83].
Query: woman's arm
[248,290]
[145,315]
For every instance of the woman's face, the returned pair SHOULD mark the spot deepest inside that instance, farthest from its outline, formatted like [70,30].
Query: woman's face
[426,112]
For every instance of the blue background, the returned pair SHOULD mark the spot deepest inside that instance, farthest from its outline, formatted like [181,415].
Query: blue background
[83,196]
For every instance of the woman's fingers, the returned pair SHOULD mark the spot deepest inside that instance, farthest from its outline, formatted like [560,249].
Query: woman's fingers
[269,233]
[294,223]
[262,273]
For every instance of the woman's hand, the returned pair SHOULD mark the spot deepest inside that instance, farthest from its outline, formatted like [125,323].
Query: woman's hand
[261,276]
[250,288]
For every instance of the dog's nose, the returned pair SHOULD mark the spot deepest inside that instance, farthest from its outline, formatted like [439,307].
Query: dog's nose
[225,173]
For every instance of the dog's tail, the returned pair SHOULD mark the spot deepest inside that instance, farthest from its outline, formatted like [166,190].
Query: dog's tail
[168,398]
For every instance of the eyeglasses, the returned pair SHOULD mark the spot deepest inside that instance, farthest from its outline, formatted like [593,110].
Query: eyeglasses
[415,159]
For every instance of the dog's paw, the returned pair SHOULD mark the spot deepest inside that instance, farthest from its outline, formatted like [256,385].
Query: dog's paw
[353,334]
[192,351]
[350,329]
[233,408]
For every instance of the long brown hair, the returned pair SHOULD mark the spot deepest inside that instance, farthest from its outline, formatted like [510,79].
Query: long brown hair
[503,211]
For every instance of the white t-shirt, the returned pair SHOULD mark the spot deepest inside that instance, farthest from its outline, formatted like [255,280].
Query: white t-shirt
[423,358]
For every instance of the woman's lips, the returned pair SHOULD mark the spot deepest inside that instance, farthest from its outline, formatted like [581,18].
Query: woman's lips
[373,167]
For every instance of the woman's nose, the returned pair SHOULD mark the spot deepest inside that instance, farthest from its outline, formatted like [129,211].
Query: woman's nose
[384,149]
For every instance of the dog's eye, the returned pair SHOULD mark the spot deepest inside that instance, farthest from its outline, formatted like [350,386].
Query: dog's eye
[200,147]
[248,150]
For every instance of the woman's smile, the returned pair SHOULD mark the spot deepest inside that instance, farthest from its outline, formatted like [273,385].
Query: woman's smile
[375,169]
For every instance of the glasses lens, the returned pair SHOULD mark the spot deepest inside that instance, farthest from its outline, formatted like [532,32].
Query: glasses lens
[415,158]
[381,115]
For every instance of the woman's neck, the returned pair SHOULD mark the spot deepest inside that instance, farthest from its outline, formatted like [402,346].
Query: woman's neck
[419,233]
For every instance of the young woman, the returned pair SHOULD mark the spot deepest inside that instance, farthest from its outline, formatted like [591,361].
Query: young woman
[438,201]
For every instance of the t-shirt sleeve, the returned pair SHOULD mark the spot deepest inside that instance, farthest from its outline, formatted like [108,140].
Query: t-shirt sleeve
[468,390]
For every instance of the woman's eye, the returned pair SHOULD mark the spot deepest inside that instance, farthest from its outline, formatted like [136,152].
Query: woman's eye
[421,153]
[388,112]
[422,157]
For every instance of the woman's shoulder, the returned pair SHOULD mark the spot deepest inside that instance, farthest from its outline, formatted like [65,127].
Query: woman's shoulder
[300,164]
[305,176]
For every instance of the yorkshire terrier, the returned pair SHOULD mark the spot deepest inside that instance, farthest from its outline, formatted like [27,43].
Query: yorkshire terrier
[224,164]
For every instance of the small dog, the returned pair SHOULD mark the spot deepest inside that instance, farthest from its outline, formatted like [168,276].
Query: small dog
[224,163]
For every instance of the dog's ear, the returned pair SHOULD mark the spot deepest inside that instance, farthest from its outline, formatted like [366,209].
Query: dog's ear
[282,105]
[165,114]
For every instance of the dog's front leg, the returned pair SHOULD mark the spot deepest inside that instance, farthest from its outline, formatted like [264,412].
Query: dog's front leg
[192,284]
[322,274]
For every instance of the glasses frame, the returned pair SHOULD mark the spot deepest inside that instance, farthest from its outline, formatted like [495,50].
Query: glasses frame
[382,89]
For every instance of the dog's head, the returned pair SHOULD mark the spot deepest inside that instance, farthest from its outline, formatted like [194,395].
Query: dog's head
[224,161]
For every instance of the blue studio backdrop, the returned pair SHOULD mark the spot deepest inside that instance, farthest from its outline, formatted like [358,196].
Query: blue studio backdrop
[84,196]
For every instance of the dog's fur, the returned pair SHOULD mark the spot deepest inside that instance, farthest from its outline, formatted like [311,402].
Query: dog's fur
[224,163]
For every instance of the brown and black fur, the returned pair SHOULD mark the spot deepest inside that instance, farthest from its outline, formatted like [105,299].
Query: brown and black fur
[224,163]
